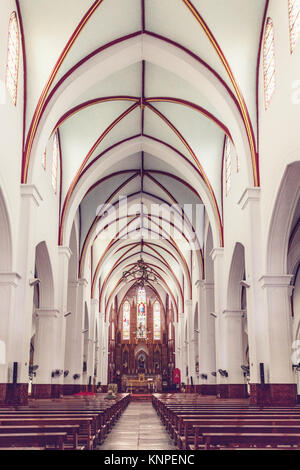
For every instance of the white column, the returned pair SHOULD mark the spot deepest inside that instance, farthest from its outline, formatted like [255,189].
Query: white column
[71,341]
[21,321]
[277,305]
[177,342]
[64,255]
[180,347]
[105,354]
[8,285]
[101,346]
[79,328]
[256,313]
[45,344]
[233,329]
[91,347]
[189,348]
[217,255]
[207,347]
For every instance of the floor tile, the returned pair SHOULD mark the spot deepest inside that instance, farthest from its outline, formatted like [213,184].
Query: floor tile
[139,428]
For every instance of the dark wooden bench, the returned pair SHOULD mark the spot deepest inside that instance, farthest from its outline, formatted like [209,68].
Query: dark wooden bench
[47,439]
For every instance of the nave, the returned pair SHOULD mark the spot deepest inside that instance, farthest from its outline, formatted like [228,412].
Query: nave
[139,428]
[149,218]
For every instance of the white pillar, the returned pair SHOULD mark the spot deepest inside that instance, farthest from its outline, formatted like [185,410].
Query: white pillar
[72,340]
[79,328]
[256,314]
[105,354]
[277,304]
[180,347]
[91,339]
[45,344]
[233,331]
[217,255]
[8,285]
[21,319]
[189,348]
[101,346]
[64,255]
[207,347]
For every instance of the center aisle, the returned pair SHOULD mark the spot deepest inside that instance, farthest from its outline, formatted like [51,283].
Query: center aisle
[139,428]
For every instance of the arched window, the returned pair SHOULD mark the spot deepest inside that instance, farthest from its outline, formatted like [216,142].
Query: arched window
[269,62]
[55,157]
[44,159]
[170,331]
[294,20]
[126,320]
[141,314]
[156,321]
[12,65]
[227,164]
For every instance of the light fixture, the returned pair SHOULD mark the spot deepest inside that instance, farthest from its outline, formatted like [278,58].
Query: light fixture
[34,282]
[244,284]
[223,372]
[141,273]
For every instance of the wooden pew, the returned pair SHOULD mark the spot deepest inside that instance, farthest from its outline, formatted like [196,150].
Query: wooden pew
[259,440]
[45,439]
[70,430]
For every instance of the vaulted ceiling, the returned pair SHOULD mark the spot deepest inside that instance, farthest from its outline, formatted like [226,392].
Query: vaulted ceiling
[143,93]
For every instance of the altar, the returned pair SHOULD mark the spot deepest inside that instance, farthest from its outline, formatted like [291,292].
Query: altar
[141,383]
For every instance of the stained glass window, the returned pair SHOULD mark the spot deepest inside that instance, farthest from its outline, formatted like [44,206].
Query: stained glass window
[55,157]
[227,165]
[294,20]
[141,313]
[12,66]
[156,321]
[269,62]
[126,320]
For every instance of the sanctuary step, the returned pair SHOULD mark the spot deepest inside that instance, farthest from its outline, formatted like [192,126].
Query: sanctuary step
[141,397]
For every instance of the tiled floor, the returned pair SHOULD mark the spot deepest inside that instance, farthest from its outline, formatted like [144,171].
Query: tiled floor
[139,428]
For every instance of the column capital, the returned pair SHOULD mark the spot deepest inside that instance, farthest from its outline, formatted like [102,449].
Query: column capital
[216,252]
[94,302]
[9,279]
[249,195]
[65,250]
[276,280]
[30,191]
[205,285]
[82,282]
[234,313]
[46,313]
[188,302]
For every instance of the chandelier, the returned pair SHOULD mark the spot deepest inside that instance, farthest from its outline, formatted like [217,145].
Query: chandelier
[141,273]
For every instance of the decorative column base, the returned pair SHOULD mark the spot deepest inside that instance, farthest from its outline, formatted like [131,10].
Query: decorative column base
[232,391]
[17,394]
[68,389]
[237,391]
[71,389]
[273,394]
[222,390]
[208,389]
[41,391]
[56,390]
[3,388]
